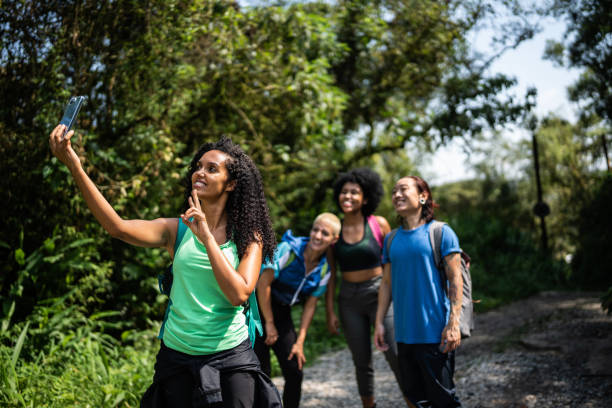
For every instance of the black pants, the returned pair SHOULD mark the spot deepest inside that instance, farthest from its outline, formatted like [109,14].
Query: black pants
[293,376]
[357,304]
[427,375]
[237,389]
[229,378]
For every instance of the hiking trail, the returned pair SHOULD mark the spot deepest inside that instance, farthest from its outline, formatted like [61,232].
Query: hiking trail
[551,350]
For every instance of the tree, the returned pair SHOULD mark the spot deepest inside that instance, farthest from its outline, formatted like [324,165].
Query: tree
[567,170]
[587,46]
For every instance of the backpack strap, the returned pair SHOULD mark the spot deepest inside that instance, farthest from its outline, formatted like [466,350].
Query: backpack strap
[390,237]
[435,239]
[375,227]
[165,279]
[180,233]
[253,320]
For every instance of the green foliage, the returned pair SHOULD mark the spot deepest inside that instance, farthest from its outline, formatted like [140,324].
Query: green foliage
[591,263]
[567,155]
[587,47]
[63,357]
[496,229]
[507,264]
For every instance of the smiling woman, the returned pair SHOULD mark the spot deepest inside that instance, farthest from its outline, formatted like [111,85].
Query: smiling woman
[358,255]
[426,313]
[205,351]
[298,273]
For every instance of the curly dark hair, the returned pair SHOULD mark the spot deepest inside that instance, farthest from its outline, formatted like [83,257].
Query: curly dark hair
[248,216]
[370,184]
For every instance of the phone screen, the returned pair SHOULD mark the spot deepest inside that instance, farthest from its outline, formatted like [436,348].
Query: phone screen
[71,111]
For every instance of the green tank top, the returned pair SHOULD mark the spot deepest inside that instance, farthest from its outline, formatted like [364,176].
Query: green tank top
[201,320]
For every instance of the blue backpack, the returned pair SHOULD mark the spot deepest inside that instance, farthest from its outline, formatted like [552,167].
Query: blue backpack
[164,280]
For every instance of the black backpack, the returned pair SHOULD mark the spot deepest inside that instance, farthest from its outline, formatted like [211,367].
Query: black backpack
[466,320]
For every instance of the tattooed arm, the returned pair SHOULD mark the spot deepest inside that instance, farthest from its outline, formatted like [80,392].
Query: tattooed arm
[451,336]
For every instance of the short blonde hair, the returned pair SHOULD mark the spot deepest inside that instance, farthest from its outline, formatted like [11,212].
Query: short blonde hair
[331,220]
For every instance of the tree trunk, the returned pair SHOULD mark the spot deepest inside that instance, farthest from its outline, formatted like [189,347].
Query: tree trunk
[605,149]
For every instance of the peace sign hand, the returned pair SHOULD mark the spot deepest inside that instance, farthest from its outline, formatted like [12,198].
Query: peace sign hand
[198,226]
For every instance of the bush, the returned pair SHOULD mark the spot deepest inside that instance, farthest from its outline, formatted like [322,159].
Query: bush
[497,230]
[592,260]
[63,358]
[507,264]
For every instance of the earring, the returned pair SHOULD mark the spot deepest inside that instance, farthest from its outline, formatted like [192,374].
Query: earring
[422,201]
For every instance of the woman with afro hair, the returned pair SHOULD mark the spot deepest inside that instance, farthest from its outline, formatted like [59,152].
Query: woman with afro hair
[205,358]
[358,253]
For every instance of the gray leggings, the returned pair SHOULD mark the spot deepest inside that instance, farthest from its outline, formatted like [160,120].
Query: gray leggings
[357,303]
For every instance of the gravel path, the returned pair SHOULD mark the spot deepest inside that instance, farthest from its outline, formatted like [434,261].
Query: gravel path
[549,351]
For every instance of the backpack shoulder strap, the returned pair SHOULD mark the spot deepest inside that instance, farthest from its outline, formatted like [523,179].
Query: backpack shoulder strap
[180,233]
[373,223]
[435,239]
[390,237]
[253,319]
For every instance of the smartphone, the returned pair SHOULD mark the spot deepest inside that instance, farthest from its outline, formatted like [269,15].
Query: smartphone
[71,112]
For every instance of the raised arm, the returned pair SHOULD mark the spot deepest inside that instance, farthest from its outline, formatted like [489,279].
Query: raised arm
[451,336]
[156,233]
[332,320]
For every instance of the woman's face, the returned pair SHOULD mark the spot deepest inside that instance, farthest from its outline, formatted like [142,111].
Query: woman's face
[321,236]
[210,179]
[351,197]
[405,196]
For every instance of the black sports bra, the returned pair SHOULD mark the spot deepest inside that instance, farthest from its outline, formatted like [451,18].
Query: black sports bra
[365,254]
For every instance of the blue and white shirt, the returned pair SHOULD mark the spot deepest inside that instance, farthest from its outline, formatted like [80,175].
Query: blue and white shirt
[291,282]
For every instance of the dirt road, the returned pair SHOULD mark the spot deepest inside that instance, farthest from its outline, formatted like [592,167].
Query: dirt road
[548,351]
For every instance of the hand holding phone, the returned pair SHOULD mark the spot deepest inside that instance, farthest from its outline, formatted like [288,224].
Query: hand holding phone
[71,112]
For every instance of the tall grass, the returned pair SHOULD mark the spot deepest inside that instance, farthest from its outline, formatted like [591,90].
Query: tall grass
[62,358]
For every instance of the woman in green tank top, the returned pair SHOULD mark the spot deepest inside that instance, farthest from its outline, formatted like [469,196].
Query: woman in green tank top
[205,352]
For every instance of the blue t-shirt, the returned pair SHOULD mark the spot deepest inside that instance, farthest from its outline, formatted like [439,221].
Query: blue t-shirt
[291,282]
[420,305]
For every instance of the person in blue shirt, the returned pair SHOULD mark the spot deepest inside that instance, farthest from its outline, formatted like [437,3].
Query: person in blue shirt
[298,274]
[426,319]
